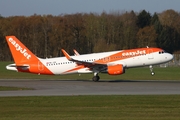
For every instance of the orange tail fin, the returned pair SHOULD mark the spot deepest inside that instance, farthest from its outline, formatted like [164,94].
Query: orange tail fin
[21,54]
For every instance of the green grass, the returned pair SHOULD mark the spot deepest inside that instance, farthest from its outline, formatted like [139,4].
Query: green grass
[8,88]
[91,108]
[169,73]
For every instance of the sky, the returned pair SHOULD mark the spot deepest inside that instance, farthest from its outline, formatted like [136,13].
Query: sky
[60,7]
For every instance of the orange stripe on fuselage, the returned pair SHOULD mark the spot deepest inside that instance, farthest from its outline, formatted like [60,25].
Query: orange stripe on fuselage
[74,69]
[124,54]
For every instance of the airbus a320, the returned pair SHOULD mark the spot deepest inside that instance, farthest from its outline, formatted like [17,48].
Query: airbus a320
[113,62]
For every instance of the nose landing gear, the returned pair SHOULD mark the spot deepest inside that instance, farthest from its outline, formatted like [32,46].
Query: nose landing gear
[151,69]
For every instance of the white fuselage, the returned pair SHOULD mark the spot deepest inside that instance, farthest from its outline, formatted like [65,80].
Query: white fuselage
[61,65]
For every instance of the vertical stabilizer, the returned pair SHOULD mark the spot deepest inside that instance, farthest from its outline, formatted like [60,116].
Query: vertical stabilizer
[25,60]
[21,54]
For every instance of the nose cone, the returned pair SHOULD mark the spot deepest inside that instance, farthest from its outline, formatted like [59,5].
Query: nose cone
[169,57]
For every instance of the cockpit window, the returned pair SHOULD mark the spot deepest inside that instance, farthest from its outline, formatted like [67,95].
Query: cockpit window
[161,52]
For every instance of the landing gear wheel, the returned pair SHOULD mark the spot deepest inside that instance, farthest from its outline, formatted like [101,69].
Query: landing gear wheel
[152,73]
[96,78]
[151,69]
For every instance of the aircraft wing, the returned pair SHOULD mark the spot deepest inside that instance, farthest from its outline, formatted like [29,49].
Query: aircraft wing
[86,64]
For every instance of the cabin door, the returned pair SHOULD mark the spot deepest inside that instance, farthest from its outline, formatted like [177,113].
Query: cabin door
[150,54]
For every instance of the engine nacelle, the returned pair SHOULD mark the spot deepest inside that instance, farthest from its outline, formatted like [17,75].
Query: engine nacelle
[115,70]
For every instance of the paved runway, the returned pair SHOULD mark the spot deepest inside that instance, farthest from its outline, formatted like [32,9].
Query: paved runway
[75,87]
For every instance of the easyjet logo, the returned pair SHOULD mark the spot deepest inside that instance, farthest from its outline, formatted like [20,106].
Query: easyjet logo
[23,51]
[133,53]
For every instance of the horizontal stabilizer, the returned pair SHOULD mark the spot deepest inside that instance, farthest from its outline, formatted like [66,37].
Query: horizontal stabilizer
[14,67]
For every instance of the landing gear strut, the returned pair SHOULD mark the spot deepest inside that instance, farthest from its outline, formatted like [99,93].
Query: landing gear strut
[96,77]
[151,69]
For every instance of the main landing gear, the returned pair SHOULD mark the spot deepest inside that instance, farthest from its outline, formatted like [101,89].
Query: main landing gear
[151,69]
[96,77]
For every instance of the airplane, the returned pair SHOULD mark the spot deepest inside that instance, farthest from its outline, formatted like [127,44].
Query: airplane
[113,62]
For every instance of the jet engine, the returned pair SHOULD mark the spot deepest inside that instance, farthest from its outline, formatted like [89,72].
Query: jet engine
[115,69]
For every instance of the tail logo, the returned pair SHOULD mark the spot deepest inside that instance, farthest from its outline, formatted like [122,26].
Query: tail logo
[23,51]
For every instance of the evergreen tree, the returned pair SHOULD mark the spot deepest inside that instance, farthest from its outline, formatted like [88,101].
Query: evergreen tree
[144,19]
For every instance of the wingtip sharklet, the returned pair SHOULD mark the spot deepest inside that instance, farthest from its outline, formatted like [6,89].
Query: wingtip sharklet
[66,54]
[76,53]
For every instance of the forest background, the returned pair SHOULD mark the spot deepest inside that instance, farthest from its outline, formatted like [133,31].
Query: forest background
[46,35]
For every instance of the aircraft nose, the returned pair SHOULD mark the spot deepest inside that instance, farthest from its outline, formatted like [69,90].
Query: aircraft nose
[169,57]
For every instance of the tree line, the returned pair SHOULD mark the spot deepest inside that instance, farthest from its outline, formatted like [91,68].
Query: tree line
[46,35]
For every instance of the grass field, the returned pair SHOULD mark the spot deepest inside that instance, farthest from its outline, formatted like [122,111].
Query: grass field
[91,108]
[6,88]
[169,73]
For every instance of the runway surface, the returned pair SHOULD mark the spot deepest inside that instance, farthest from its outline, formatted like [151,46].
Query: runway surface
[75,87]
